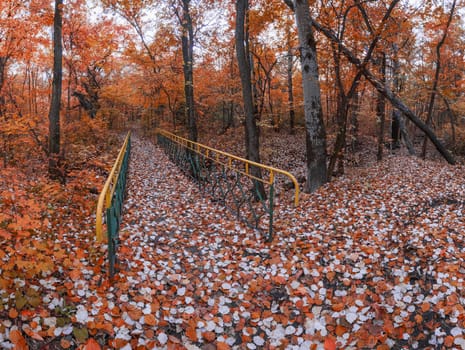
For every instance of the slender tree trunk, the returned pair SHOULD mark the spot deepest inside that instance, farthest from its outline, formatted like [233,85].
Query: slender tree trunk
[314,125]
[290,87]
[341,116]
[3,62]
[353,128]
[395,122]
[429,116]
[34,91]
[381,108]
[256,97]
[452,119]
[5,142]
[188,59]
[54,113]
[251,129]
[398,128]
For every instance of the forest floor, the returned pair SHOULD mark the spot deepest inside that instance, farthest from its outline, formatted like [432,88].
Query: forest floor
[375,259]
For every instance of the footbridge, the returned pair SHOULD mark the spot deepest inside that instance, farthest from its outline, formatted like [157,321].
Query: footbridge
[223,177]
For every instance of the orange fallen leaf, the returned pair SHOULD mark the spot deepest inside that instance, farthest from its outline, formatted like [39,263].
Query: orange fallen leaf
[92,345]
[340,330]
[135,313]
[191,333]
[222,346]
[12,313]
[32,334]
[449,341]
[75,274]
[330,344]
[301,291]
[209,336]
[18,340]
[150,320]
[425,306]
[279,280]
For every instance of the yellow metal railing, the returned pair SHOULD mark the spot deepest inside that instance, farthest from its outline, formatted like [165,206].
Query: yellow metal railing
[238,164]
[105,198]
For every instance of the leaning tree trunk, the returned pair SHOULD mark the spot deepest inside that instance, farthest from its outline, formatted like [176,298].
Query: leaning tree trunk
[314,125]
[54,114]
[251,130]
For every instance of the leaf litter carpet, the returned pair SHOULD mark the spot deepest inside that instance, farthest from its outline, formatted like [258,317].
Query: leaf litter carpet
[374,261]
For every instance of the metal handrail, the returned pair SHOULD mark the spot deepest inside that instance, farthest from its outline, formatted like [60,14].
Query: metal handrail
[108,190]
[209,152]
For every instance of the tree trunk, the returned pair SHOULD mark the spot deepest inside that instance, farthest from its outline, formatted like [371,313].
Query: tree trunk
[314,125]
[404,132]
[452,120]
[188,60]
[3,62]
[290,88]
[251,129]
[381,108]
[353,128]
[341,116]
[395,122]
[54,114]
[4,136]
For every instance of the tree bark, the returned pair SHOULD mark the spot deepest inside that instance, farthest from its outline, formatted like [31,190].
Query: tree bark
[3,63]
[54,114]
[252,142]
[290,87]
[4,136]
[382,88]
[381,108]
[404,132]
[395,120]
[188,60]
[314,125]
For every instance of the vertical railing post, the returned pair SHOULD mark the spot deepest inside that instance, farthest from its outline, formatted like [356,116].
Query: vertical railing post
[271,212]
[111,226]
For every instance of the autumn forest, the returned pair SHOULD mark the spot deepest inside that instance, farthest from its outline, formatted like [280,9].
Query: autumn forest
[247,174]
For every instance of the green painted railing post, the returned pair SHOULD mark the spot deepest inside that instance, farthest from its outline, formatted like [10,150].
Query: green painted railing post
[271,209]
[111,228]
